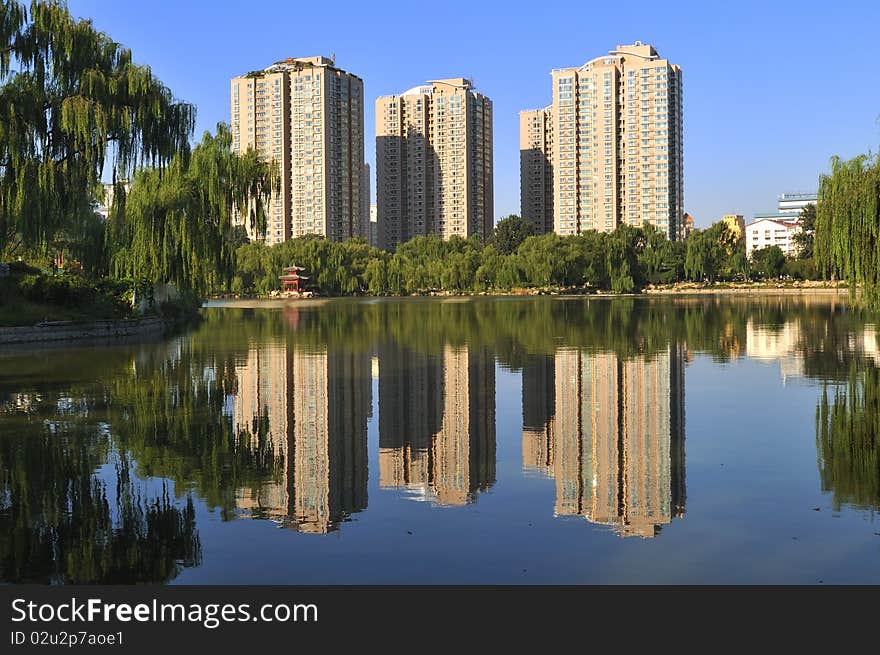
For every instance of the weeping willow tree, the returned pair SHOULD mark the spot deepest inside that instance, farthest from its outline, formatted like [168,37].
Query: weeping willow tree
[177,225]
[847,239]
[71,101]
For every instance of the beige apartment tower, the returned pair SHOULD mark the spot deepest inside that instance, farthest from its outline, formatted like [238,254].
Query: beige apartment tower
[536,169]
[434,163]
[307,115]
[615,128]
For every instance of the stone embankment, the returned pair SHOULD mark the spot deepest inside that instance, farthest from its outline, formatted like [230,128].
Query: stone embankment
[75,331]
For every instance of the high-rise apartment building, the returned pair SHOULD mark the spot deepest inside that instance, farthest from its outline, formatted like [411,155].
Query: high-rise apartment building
[536,169]
[365,202]
[308,116]
[434,163]
[616,157]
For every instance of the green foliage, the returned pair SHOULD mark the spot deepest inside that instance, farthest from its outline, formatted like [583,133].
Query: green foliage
[176,225]
[804,239]
[33,297]
[71,95]
[847,237]
[712,254]
[623,261]
[768,262]
[801,269]
[509,233]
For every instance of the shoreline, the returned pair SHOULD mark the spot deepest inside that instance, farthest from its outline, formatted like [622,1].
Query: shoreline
[683,290]
[113,330]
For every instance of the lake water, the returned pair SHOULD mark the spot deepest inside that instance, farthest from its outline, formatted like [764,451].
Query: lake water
[701,439]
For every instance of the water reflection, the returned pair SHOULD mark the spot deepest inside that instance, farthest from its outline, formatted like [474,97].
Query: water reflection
[60,522]
[107,457]
[610,430]
[848,440]
[315,405]
[437,423]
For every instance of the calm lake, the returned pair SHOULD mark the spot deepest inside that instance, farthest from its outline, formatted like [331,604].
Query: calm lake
[701,439]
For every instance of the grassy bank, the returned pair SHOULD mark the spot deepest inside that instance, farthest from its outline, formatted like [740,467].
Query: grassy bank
[30,297]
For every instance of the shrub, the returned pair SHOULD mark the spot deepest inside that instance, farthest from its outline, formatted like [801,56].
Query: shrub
[31,287]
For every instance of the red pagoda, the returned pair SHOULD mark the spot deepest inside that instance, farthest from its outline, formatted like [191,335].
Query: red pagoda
[292,281]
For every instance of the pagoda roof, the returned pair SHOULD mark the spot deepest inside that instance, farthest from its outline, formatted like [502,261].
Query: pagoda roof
[293,268]
[292,276]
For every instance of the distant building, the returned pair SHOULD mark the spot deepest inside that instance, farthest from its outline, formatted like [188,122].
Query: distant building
[777,228]
[308,116]
[794,203]
[434,163]
[106,204]
[771,232]
[735,223]
[374,227]
[687,225]
[615,126]
[365,202]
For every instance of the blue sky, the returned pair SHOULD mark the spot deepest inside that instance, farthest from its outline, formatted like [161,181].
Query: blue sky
[771,89]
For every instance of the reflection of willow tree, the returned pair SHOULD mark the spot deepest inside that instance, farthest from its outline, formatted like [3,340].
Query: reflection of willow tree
[848,441]
[58,524]
[170,416]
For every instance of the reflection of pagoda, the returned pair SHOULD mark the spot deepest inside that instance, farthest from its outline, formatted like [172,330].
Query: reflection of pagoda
[614,440]
[292,281]
[315,405]
[437,423]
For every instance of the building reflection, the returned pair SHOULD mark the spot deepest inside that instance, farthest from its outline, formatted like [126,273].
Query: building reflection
[437,423]
[780,344]
[613,437]
[314,404]
[538,406]
[794,347]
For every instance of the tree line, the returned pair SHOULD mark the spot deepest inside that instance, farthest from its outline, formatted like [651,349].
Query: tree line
[624,261]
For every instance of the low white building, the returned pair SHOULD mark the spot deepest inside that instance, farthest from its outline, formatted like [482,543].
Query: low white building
[766,232]
[777,228]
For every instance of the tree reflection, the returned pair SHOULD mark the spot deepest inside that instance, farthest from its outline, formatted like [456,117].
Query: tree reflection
[60,523]
[169,413]
[848,440]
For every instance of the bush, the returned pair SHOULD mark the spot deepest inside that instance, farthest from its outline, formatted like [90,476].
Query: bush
[20,269]
[801,269]
[31,287]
